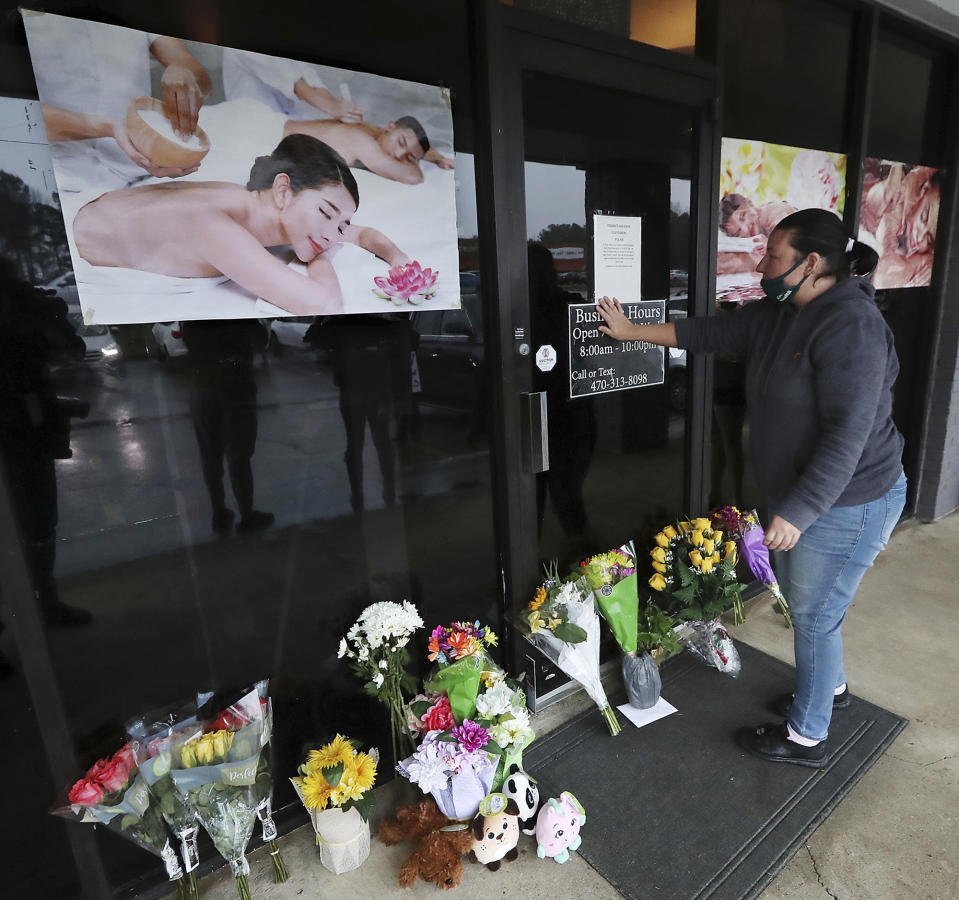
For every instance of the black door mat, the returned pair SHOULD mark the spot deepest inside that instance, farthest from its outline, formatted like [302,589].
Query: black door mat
[676,809]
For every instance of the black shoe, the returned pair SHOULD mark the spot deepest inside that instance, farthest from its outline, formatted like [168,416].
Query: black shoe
[255,521]
[771,742]
[783,706]
[223,521]
[61,615]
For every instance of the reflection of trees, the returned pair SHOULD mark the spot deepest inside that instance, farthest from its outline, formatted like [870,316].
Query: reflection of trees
[554,235]
[31,231]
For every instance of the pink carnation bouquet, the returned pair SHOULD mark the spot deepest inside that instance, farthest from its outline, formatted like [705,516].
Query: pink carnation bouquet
[406,283]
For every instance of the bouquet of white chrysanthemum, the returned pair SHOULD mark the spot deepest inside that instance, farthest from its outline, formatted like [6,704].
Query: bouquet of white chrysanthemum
[376,648]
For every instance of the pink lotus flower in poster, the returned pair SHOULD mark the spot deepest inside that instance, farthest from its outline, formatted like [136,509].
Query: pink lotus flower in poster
[409,283]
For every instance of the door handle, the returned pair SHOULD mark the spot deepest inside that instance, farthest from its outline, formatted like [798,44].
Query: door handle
[535,432]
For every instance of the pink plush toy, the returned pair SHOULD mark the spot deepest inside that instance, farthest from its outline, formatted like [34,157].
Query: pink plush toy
[557,827]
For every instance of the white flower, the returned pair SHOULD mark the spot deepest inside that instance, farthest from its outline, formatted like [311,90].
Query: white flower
[515,730]
[383,664]
[343,649]
[568,593]
[427,769]
[378,679]
[494,701]
[364,653]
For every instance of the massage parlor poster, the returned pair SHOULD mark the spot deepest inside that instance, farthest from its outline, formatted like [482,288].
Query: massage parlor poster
[898,219]
[760,184]
[166,225]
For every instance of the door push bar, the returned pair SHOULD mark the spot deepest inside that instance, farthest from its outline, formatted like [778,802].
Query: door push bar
[535,432]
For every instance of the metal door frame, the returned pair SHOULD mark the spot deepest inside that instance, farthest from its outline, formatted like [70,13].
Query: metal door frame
[507,43]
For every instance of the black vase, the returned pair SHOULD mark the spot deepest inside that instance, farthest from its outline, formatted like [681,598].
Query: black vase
[643,684]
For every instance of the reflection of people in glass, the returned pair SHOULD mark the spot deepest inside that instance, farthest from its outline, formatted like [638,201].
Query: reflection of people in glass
[572,425]
[223,404]
[302,195]
[35,426]
[368,360]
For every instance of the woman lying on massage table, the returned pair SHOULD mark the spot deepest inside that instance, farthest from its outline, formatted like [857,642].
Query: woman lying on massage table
[302,195]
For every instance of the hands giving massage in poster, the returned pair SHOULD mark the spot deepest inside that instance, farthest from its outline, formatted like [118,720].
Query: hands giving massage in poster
[269,181]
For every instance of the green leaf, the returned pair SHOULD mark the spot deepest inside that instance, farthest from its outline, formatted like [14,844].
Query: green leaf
[364,806]
[168,804]
[570,633]
[333,774]
[494,748]
[128,820]
[446,736]
[419,707]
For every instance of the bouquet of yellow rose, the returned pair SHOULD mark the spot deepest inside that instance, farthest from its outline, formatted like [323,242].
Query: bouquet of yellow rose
[216,772]
[695,565]
[334,785]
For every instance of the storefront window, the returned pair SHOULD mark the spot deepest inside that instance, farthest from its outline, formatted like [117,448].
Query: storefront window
[785,71]
[221,499]
[670,24]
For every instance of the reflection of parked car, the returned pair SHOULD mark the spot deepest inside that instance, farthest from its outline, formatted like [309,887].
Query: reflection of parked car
[100,347]
[169,340]
[450,355]
[288,333]
[65,287]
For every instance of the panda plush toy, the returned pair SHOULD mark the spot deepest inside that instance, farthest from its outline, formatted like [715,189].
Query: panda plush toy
[522,790]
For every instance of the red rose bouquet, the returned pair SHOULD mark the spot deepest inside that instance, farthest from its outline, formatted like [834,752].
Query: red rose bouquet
[114,794]
[152,736]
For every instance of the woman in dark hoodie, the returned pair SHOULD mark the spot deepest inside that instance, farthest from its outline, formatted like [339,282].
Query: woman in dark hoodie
[820,370]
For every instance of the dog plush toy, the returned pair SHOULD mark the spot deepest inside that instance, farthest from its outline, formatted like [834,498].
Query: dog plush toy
[437,855]
[495,832]
[522,790]
[557,827]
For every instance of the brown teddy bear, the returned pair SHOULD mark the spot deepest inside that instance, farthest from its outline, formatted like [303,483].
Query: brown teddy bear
[437,856]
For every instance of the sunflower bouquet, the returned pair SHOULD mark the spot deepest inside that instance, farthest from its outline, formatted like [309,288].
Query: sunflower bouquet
[460,653]
[335,785]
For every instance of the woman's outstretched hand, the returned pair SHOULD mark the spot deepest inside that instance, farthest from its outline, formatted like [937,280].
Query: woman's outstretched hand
[617,325]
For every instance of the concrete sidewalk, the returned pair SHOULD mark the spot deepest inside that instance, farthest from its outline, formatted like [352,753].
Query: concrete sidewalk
[894,837]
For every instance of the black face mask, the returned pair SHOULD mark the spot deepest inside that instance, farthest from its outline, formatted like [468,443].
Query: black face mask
[777,289]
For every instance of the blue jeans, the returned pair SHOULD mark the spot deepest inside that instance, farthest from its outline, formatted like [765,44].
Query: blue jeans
[819,578]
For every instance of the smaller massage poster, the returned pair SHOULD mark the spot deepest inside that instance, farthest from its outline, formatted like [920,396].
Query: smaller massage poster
[761,184]
[899,219]
[200,182]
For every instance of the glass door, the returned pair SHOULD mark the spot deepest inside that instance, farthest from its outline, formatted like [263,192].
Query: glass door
[601,186]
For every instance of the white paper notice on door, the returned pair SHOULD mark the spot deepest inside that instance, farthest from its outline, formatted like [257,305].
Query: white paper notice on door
[617,241]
